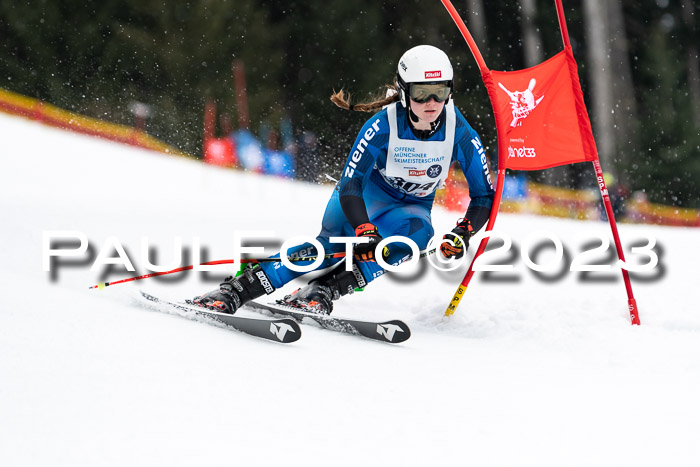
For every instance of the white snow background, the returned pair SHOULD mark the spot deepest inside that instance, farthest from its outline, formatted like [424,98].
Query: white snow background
[526,373]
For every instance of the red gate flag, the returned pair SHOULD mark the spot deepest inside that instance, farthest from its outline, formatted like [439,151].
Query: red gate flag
[542,122]
[540,114]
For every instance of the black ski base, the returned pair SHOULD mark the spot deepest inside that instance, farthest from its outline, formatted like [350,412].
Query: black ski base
[283,330]
[394,331]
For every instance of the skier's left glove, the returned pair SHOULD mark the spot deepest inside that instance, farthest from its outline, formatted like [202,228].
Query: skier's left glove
[459,238]
[366,251]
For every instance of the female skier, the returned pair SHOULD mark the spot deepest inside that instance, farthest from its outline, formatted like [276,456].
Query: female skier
[400,157]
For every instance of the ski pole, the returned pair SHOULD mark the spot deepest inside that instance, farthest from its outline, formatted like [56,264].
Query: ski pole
[102,285]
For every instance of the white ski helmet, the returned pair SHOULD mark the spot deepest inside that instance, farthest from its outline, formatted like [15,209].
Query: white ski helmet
[423,64]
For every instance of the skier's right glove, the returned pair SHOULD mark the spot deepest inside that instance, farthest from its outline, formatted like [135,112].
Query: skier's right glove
[365,251]
[459,237]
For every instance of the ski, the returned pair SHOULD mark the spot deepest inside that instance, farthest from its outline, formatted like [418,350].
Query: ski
[283,330]
[393,331]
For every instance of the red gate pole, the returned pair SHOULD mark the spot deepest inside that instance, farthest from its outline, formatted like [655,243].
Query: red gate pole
[631,302]
[466,34]
[485,73]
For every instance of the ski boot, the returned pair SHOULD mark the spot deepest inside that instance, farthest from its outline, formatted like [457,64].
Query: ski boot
[234,292]
[318,295]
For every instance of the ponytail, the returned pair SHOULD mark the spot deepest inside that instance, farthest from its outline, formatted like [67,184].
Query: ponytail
[377,102]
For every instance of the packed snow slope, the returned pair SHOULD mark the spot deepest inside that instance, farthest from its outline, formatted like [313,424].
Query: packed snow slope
[530,371]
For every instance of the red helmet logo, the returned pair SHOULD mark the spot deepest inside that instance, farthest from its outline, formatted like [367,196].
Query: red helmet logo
[433,74]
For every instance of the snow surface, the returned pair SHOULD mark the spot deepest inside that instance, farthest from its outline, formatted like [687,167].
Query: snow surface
[526,373]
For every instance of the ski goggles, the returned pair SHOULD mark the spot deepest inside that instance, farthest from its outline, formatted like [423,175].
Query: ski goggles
[421,92]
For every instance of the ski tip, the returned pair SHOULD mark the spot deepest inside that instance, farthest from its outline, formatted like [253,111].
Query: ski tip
[147,296]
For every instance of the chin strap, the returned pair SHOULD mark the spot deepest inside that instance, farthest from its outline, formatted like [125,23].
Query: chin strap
[435,124]
[423,134]
[414,118]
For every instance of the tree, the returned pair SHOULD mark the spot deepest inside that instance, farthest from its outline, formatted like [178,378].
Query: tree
[688,13]
[477,22]
[624,104]
[532,41]
[600,77]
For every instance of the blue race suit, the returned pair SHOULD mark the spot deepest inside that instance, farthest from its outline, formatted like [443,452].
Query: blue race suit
[389,201]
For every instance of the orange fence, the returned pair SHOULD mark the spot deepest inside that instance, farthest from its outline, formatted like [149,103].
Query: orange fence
[536,199]
[547,200]
[48,114]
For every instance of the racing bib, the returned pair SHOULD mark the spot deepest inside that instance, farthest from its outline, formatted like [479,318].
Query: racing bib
[415,167]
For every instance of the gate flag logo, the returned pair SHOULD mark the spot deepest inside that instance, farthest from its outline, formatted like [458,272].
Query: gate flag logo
[522,102]
[540,115]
